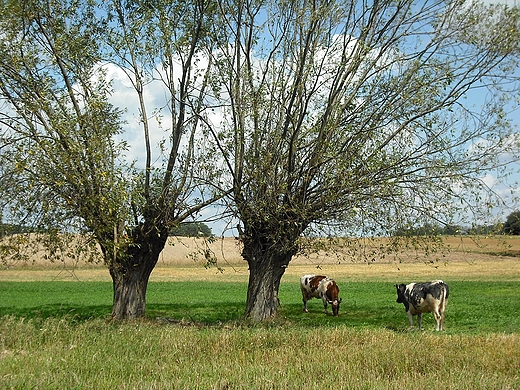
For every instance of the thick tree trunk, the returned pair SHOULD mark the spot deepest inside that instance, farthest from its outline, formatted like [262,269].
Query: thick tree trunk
[262,302]
[266,269]
[130,286]
[130,273]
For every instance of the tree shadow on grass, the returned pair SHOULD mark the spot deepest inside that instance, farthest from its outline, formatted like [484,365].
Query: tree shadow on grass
[75,313]
[224,313]
[211,304]
[357,317]
[196,312]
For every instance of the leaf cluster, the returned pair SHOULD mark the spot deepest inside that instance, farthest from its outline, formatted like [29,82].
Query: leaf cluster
[512,224]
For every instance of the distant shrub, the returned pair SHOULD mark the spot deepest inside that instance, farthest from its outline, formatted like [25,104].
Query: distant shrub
[191,229]
[512,224]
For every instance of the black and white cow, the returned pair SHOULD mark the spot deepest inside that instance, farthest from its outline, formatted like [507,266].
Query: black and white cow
[419,298]
[320,286]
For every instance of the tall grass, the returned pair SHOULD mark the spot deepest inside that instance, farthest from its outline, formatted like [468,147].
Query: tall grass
[56,353]
[56,335]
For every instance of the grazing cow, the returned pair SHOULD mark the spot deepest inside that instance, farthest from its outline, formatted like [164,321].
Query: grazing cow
[319,286]
[419,298]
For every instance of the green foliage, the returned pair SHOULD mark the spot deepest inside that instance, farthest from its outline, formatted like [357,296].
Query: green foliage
[191,229]
[367,126]
[60,153]
[63,161]
[512,224]
[350,119]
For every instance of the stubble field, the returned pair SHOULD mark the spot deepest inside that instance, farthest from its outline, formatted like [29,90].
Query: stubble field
[469,258]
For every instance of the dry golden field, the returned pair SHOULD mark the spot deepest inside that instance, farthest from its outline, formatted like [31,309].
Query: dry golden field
[467,258]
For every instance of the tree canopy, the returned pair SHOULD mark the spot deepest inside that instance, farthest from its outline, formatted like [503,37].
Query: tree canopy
[512,224]
[191,229]
[64,143]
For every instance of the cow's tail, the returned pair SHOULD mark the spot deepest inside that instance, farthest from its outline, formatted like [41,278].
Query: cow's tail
[445,293]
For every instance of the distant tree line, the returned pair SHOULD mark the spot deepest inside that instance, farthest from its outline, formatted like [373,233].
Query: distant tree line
[188,229]
[199,229]
[510,226]
[448,230]
[7,229]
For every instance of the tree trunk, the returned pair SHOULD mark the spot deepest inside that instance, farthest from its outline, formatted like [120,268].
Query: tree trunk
[130,286]
[266,269]
[130,274]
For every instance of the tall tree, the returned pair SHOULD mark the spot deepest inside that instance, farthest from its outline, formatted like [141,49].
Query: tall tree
[358,115]
[63,141]
[512,224]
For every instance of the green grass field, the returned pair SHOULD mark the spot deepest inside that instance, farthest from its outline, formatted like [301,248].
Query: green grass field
[52,354]
[56,334]
[485,306]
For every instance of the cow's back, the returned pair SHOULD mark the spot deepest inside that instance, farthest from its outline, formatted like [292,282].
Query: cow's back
[428,296]
[310,285]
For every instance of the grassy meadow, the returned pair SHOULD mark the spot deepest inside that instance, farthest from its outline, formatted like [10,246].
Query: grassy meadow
[55,330]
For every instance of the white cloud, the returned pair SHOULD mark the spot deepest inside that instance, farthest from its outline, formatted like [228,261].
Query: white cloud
[489,180]
[511,3]
[125,97]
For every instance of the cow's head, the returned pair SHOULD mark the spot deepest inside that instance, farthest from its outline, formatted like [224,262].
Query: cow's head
[401,288]
[401,296]
[335,306]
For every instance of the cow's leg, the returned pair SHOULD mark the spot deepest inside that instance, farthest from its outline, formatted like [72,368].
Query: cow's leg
[324,299]
[305,304]
[443,313]
[410,318]
[419,321]
[438,320]
[305,298]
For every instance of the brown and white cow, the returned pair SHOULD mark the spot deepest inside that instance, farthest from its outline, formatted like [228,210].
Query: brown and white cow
[419,298]
[320,286]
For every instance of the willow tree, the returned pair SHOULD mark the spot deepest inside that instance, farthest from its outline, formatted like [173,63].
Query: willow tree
[63,140]
[358,115]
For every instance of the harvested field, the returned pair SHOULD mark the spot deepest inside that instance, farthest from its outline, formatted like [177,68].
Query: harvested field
[476,257]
